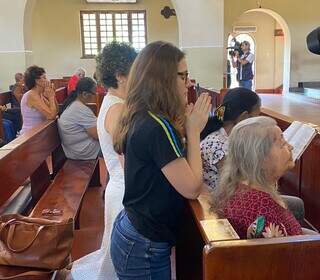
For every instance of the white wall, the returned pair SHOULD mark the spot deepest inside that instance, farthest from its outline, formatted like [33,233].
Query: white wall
[201,37]
[268,49]
[12,50]
[56,41]
[301,19]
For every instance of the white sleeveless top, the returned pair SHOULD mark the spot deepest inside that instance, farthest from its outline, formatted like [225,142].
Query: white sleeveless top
[111,158]
[98,265]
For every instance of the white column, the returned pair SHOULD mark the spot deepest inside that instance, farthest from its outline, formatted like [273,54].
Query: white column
[201,37]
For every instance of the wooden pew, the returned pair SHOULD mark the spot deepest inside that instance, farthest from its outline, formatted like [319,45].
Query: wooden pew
[197,257]
[193,95]
[276,258]
[27,157]
[61,94]
[58,83]
[99,100]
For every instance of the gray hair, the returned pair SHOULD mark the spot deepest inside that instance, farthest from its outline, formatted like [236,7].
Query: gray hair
[79,71]
[250,143]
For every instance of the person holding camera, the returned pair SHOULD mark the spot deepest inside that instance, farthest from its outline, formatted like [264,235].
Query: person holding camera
[243,63]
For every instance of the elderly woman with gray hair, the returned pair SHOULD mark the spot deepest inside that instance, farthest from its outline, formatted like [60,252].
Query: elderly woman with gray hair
[247,194]
[78,75]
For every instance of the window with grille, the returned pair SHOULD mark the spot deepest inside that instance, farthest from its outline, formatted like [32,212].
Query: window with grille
[100,28]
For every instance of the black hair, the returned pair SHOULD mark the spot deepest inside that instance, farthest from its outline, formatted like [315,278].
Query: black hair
[235,102]
[31,75]
[115,59]
[85,84]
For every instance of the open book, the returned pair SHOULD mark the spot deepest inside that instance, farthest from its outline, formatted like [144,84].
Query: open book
[299,135]
[218,229]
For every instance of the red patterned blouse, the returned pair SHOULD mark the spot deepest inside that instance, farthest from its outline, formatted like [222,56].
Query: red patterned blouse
[247,204]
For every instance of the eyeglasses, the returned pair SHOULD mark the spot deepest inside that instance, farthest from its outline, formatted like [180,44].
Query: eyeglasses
[184,76]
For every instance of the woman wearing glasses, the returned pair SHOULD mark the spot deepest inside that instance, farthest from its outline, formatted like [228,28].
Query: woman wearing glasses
[78,124]
[159,175]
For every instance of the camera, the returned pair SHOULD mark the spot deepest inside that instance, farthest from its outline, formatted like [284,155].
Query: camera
[235,47]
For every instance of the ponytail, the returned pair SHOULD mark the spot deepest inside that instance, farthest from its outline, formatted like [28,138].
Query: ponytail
[72,97]
[235,102]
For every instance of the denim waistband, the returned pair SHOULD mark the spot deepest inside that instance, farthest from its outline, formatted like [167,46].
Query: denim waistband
[124,225]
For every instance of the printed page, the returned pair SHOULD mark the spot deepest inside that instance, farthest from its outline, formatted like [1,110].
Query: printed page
[219,229]
[301,140]
[292,130]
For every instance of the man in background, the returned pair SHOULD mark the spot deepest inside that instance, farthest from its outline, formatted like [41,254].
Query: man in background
[243,64]
[78,75]
[17,90]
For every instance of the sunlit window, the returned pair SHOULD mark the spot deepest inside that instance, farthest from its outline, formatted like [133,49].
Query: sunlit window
[100,28]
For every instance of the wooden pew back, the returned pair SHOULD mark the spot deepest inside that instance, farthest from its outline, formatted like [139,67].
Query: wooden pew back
[193,94]
[5,97]
[58,83]
[61,94]
[295,257]
[197,257]
[26,157]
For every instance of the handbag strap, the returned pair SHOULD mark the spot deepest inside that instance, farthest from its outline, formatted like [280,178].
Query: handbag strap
[12,225]
[28,273]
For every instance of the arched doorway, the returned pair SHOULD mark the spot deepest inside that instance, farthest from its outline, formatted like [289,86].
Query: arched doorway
[286,44]
[232,72]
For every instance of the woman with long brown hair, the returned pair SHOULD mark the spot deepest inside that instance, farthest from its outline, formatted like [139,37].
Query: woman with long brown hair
[158,175]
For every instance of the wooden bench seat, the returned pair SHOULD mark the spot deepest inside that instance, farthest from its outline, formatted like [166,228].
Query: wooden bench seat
[64,189]
[67,189]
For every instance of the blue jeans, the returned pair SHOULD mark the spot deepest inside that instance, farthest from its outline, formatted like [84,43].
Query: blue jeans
[246,84]
[136,257]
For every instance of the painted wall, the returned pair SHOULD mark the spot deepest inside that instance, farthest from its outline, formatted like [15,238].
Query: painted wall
[12,51]
[201,37]
[301,19]
[56,42]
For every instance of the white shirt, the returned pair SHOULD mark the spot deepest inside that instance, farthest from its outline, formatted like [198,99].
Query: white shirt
[213,149]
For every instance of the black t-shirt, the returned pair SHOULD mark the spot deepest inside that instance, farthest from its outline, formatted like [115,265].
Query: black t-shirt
[152,203]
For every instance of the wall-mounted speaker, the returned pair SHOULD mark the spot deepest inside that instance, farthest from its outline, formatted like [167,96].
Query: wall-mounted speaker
[313,41]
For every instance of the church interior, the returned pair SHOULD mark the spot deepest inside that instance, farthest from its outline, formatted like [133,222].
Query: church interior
[61,214]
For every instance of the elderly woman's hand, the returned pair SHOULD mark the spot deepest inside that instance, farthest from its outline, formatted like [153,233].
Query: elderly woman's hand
[274,230]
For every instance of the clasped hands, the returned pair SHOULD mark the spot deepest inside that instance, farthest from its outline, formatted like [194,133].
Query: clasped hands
[197,114]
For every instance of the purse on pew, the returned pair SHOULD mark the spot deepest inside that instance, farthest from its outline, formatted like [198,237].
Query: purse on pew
[35,242]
